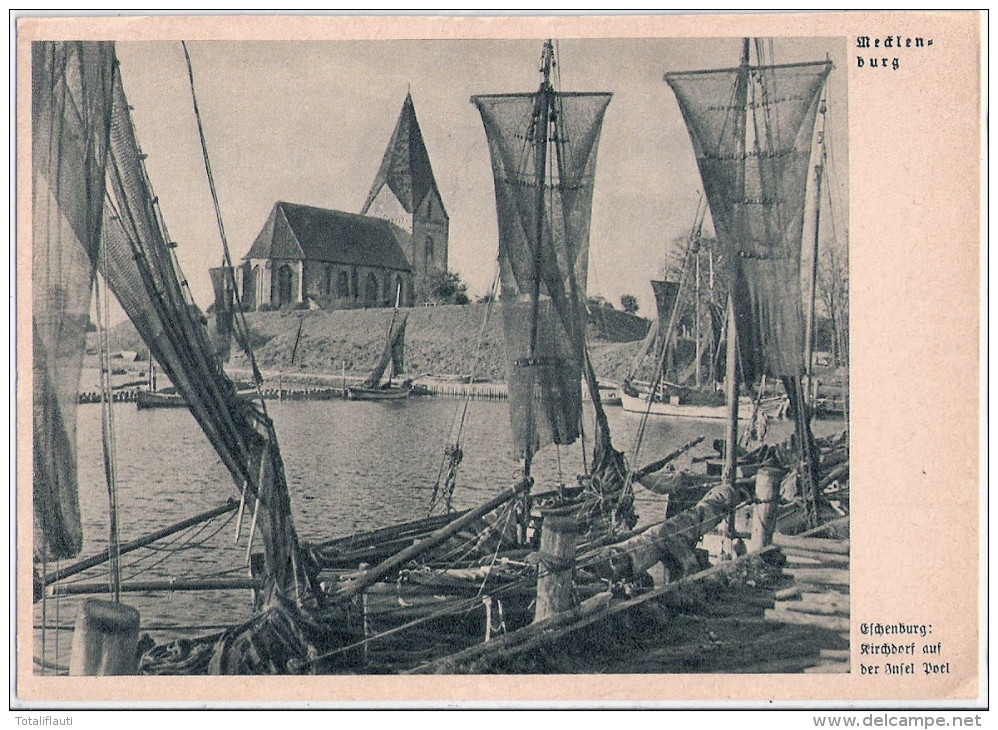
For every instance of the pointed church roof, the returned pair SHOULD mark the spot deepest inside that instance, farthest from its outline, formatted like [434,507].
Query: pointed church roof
[405,168]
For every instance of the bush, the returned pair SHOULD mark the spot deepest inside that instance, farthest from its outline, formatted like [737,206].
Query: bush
[629,303]
[444,287]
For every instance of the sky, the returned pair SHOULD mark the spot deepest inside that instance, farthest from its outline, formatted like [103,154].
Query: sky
[308,123]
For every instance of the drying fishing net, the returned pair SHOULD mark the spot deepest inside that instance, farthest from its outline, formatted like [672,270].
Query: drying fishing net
[94,210]
[544,250]
[70,104]
[752,129]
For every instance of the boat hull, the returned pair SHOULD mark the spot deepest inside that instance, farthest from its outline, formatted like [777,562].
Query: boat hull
[639,404]
[150,399]
[393,393]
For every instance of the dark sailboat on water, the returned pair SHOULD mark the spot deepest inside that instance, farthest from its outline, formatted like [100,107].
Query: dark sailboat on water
[393,360]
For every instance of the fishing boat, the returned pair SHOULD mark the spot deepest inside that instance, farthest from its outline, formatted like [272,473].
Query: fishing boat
[159,399]
[676,406]
[422,595]
[392,360]
[680,389]
[316,606]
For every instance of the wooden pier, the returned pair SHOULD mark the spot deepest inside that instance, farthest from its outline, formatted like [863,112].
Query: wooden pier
[818,595]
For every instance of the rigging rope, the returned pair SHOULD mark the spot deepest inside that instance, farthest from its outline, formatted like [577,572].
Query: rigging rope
[453,454]
[240,319]
[108,435]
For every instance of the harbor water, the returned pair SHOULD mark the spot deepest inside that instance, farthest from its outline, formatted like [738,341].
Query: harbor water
[351,466]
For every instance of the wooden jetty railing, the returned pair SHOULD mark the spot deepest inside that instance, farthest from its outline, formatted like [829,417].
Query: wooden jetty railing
[475,391]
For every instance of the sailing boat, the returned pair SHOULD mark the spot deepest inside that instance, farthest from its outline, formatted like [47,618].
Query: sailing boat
[313,608]
[752,129]
[671,394]
[393,360]
[543,149]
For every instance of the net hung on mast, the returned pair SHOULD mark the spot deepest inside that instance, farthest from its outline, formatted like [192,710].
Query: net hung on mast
[543,149]
[752,129]
[71,104]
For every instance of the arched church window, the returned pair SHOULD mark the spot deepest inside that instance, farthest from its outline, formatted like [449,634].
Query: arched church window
[371,289]
[328,289]
[343,285]
[429,249]
[284,286]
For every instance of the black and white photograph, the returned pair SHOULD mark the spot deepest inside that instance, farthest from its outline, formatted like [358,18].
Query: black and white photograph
[443,356]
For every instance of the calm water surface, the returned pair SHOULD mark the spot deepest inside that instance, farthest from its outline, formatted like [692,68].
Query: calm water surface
[350,466]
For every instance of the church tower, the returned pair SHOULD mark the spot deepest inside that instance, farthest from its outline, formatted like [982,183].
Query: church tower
[405,193]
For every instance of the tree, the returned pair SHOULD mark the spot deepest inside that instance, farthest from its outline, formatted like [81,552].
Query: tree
[444,287]
[629,303]
[598,302]
[833,293]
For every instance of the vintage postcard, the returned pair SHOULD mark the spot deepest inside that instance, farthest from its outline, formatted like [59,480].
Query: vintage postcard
[500,359]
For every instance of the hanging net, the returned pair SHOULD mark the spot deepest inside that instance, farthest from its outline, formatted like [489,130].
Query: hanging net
[70,106]
[543,251]
[752,129]
[94,210]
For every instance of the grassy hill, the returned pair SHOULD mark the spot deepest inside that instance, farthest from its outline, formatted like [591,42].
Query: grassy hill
[439,340]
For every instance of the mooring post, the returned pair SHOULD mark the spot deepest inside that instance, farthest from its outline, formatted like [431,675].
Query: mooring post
[105,640]
[557,564]
[767,493]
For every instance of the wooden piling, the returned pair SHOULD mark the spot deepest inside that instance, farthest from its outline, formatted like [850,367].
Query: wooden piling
[105,640]
[557,564]
[767,492]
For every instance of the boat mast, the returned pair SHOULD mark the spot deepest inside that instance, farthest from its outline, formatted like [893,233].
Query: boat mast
[731,361]
[696,317]
[541,118]
[391,363]
[818,170]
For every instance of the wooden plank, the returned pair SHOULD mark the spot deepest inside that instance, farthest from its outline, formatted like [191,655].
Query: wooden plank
[825,597]
[842,654]
[819,576]
[829,668]
[823,557]
[787,593]
[821,609]
[814,544]
[832,623]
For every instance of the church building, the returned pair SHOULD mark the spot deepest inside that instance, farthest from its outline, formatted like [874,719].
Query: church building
[340,260]
[405,193]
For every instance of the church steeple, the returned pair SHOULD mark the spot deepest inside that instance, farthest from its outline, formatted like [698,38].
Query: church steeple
[405,168]
[405,193]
